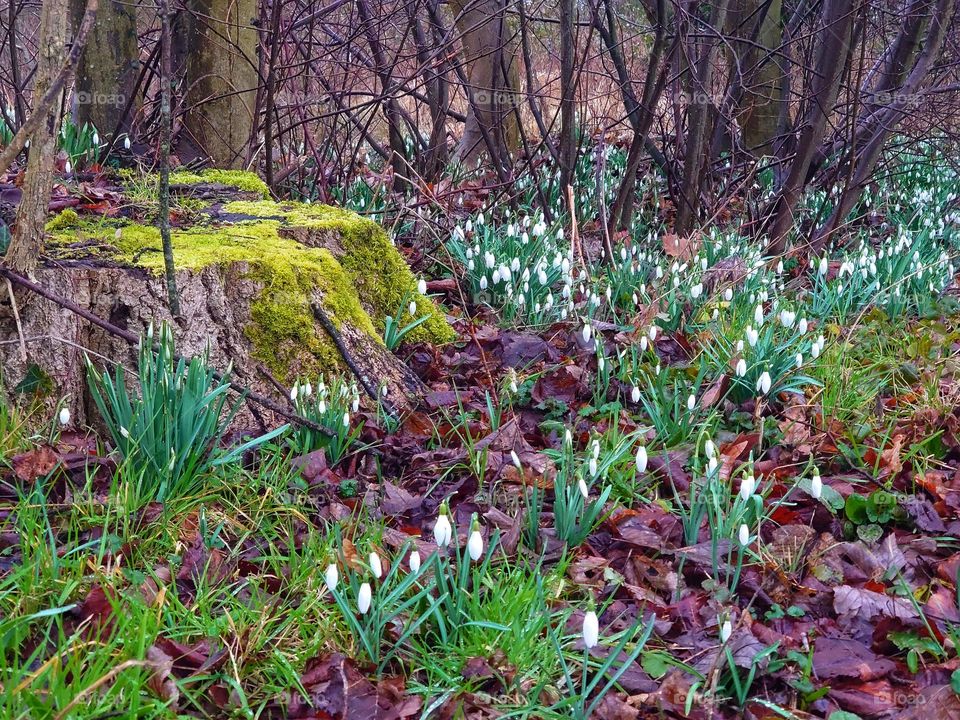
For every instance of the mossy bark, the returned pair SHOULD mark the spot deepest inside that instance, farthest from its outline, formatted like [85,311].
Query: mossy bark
[247,277]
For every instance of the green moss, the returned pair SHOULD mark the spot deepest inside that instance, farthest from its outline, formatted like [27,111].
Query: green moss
[360,286]
[66,219]
[240,179]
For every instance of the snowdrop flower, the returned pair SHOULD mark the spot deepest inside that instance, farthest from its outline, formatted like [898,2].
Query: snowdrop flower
[124,432]
[763,384]
[787,318]
[591,629]
[442,530]
[816,485]
[725,631]
[126,143]
[364,597]
[331,576]
[376,566]
[294,391]
[414,561]
[691,402]
[635,394]
[710,449]
[815,351]
[96,138]
[346,419]
[744,535]
[483,282]
[653,333]
[641,459]
[475,541]
[586,332]
[516,460]
[422,286]
[752,336]
[741,369]
[802,326]
[308,389]
[64,416]
[67,168]
[747,487]
[412,308]
[593,467]
[822,266]
[728,294]
[582,487]
[696,291]
[758,315]
[799,360]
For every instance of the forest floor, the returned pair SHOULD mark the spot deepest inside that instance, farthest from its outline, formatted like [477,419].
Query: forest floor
[687,482]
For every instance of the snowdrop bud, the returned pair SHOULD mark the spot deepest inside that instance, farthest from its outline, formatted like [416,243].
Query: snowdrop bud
[710,449]
[64,416]
[600,364]
[346,419]
[364,598]
[815,351]
[586,333]
[124,432]
[744,535]
[294,391]
[414,561]
[67,168]
[741,367]
[412,308]
[816,485]
[747,487]
[763,384]
[691,402]
[635,394]
[725,631]
[376,566]
[591,629]
[593,466]
[126,143]
[582,487]
[728,294]
[422,286]
[516,460]
[475,542]
[653,333]
[799,360]
[442,530]
[567,436]
[641,459]
[308,389]
[331,577]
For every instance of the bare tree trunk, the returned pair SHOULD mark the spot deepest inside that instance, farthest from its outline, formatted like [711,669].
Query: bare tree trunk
[221,78]
[568,51]
[27,241]
[831,59]
[107,74]
[492,77]
[697,125]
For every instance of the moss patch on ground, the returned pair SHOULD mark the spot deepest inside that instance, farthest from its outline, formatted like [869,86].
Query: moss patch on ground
[361,285]
[240,179]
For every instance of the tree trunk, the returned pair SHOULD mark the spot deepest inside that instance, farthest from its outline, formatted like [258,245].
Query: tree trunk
[109,66]
[759,105]
[568,50]
[27,239]
[492,80]
[221,78]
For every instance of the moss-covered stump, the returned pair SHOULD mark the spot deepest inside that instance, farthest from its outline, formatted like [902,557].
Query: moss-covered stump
[248,272]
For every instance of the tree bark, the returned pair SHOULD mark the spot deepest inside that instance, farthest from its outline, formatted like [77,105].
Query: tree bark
[27,241]
[108,69]
[221,78]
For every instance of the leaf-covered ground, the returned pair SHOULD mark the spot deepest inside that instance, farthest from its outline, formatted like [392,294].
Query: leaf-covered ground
[746,467]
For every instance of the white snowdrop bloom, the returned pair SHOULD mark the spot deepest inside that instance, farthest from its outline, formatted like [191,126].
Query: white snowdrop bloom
[364,598]
[475,542]
[483,282]
[376,565]
[758,315]
[516,460]
[815,350]
[752,336]
[582,487]
[422,286]
[67,168]
[641,459]
[691,400]
[591,629]
[741,368]
[593,467]
[822,266]
[744,535]
[747,487]
[696,291]
[780,267]
[635,394]
[802,326]
[653,333]
[763,384]
[442,530]
[414,561]
[728,294]
[322,406]
[331,576]
[64,416]
[725,631]
[124,432]
[787,318]
[126,143]
[710,449]
[799,360]
[412,308]
[644,344]
[346,419]
[308,390]
[816,485]
[601,364]
[656,370]
[586,332]
[739,346]
[515,265]
[294,392]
